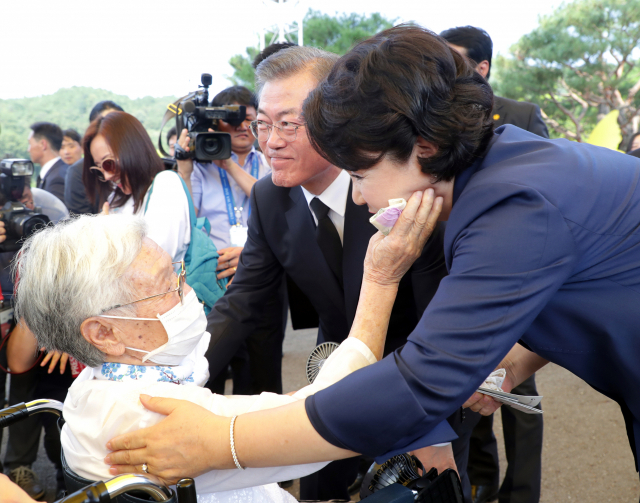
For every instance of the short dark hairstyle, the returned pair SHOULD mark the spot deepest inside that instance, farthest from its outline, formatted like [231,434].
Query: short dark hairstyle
[101,107]
[235,94]
[171,132]
[476,41]
[73,134]
[401,84]
[49,131]
[631,141]
[269,50]
[134,153]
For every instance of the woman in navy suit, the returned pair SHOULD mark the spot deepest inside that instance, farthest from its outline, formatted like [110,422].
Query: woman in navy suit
[542,246]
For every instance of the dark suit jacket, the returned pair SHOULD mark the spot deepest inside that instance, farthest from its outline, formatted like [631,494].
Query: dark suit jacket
[543,246]
[523,114]
[75,195]
[282,240]
[53,181]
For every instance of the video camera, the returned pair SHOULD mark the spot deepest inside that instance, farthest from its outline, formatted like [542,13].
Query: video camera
[20,222]
[194,113]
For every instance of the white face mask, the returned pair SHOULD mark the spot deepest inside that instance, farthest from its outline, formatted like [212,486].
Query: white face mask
[185,326]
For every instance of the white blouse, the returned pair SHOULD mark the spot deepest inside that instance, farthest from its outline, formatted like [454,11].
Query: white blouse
[97,410]
[167,216]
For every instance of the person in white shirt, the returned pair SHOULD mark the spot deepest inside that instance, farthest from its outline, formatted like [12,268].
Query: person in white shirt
[97,288]
[119,153]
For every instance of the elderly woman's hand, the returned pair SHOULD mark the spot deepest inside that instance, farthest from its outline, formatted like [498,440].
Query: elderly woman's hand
[389,258]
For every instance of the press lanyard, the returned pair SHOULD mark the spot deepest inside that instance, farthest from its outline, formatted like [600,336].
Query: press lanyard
[232,209]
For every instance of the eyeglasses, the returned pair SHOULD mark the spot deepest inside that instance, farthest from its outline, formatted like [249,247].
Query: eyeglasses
[109,167]
[262,131]
[182,277]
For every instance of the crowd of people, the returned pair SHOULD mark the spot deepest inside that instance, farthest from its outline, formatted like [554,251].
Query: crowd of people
[537,263]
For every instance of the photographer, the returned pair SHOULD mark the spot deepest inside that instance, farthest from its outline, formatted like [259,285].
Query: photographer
[209,181]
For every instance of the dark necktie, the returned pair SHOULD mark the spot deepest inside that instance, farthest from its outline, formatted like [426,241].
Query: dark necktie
[328,238]
[39,182]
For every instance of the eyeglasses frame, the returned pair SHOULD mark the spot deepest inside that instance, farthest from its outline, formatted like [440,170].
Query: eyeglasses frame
[254,124]
[182,277]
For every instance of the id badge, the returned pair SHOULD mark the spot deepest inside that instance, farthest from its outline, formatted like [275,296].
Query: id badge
[238,235]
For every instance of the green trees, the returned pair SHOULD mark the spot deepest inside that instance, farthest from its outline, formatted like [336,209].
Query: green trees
[69,108]
[578,65]
[336,34]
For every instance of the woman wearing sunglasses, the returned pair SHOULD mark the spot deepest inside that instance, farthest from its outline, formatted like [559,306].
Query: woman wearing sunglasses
[120,165]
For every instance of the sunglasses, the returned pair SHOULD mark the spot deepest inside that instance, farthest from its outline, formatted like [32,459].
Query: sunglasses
[109,167]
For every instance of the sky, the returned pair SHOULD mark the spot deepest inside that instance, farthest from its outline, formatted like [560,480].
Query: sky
[159,48]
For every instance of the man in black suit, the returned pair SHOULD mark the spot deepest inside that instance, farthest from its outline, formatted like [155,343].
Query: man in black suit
[304,223]
[522,432]
[45,140]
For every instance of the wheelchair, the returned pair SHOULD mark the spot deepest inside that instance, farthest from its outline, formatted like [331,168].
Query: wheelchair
[395,481]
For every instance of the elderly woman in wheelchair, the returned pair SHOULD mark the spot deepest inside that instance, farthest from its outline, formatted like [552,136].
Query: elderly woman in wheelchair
[98,289]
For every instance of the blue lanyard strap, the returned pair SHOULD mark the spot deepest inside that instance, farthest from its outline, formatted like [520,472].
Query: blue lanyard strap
[228,195]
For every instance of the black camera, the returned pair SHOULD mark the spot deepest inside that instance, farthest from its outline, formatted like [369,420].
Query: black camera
[19,221]
[194,113]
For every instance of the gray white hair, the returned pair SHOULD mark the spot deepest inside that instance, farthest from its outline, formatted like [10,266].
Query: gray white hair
[293,60]
[74,270]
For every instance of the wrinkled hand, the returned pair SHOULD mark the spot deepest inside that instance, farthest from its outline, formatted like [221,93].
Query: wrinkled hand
[228,261]
[3,232]
[12,493]
[440,458]
[389,258]
[55,357]
[484,404]
[178,446]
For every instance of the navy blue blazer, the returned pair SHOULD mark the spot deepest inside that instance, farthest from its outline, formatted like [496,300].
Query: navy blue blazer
[542,246]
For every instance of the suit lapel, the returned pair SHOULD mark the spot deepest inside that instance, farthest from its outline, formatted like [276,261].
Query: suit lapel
[357,232]
[305,252]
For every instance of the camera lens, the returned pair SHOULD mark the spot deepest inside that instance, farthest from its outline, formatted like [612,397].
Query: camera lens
[25,224]
[211,146]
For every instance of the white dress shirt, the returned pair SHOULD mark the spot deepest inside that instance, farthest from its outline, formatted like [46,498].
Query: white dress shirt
[97,409]
[46,167]
[335,197]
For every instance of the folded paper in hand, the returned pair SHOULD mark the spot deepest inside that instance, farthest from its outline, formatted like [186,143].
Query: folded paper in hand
[387,217]
[492,387]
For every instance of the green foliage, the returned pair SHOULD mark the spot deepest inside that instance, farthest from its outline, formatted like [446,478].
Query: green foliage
[337,34]
[70,108]
[578,65]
